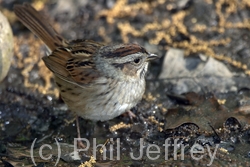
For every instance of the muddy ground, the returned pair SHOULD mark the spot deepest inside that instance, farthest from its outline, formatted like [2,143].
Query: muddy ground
[205,111]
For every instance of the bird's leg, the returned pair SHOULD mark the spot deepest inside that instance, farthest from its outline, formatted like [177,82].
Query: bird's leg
[79,142]
[130,114]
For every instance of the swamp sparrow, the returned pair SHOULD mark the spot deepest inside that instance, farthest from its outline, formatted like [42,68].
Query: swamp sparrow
[96,81]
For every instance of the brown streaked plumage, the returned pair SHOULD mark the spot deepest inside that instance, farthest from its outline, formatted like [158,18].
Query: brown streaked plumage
[125,50]
[96,81]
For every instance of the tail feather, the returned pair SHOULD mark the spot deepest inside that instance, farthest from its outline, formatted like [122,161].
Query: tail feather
[35,22]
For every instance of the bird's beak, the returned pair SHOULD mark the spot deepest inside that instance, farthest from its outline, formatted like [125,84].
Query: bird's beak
[152,57]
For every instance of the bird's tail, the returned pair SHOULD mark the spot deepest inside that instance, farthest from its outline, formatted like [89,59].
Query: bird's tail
[36,23]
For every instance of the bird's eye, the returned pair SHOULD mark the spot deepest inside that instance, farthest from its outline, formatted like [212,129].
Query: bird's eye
[137,61]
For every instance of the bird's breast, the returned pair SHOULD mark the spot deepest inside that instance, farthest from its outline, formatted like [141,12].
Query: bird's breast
[104,99]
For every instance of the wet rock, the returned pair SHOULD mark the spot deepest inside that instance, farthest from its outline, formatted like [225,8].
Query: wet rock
[194,73]
[6,46]
[232,124]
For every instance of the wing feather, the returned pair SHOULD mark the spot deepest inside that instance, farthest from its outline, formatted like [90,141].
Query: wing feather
[75,62]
